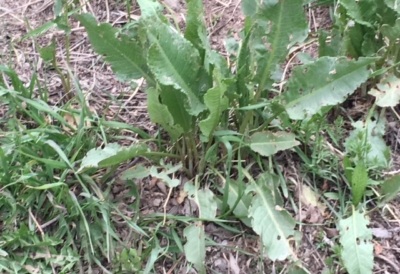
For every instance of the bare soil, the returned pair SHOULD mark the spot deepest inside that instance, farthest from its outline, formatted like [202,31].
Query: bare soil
[117,101]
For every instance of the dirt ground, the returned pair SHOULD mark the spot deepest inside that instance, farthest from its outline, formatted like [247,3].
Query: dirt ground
[106,95]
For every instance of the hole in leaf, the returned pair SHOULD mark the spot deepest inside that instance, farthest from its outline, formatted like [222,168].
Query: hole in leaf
[278,237]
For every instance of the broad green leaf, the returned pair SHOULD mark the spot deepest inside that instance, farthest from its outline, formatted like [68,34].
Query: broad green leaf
[387,92]
[139,172]
[3,253]
[58,7]
[195,247]
[149,8]
[160,114]
[353,40]
[360,11]
[249,7]
[348,170]
[390,188]
[285,26]
[244,73]
[274,183]
[205,200]
[175,62]
[111,154]
[393,4]
[333,48]
[48,53]
[298,269]
[370,45]
[326,82]
[242,207]
[359,182]
[355,238]
[390,14]
[391,32]
[169,97]
[274,224]
[164,177]
[156,251]
[196,31]
[268,143]
[216,103]
[126,57]
[369,137]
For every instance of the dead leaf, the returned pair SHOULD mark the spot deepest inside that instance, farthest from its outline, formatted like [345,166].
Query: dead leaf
[233,264]
[381,233]
[162,187]
[153,182]
[181,196]
[315,210]
[315,215]
[70,121]
[309,197]
[331,232]
[378,249]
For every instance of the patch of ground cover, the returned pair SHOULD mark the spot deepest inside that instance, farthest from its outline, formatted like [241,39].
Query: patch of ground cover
[153,194]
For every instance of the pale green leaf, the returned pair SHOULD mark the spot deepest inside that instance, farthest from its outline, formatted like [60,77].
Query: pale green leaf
[196,31]
[111,154]
[195,247]
[298,269]
[391,32]
[326,82]
[369,137]
[175,62]
[390,188]
[359,182]
[273,223]
[47,186]
[387,92]
[355,238]
[205,200]
[242,208]
[348,170]
[360,11]
[249,7]
[127,58]
[149,8]
[171,182]
[268,143]
[216,103]
[3,253]
[244,73]
[393,4]
[285,26]
[138,172]
[169,97]
[160,114]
